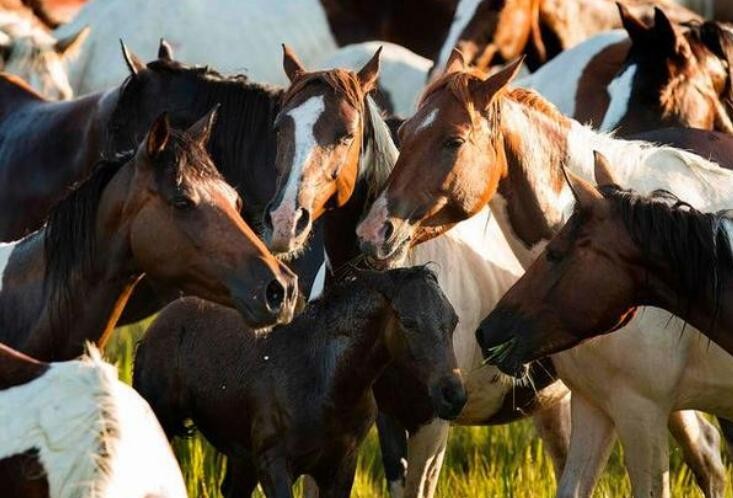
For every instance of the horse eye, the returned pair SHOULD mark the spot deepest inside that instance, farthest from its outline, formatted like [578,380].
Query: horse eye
[553,256]
[454,142]
[183,203]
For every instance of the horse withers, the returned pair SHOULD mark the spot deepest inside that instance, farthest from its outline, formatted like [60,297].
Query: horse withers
[163,211]
[72,429]
[298,400]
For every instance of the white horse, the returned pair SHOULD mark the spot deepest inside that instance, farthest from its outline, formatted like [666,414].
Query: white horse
[232,35]
[30,51]
[88,434]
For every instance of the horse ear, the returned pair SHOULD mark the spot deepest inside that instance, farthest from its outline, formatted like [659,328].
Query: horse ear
[602,170]
[456,63]
[496,82]
[369,73]
[667,34]
[585,194]
[291,64]
[637,30]
[200,131]
[134,64]
[158,136]
[70,46]
[165,51]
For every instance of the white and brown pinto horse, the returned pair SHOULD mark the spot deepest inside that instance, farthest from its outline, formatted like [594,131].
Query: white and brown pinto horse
[649,75]
[486,142]
[29,50]
[334,155]
[73,430]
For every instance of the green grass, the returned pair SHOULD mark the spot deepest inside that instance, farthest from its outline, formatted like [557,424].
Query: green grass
[481,462]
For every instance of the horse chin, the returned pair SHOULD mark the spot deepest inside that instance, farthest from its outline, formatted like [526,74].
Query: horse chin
[394,259]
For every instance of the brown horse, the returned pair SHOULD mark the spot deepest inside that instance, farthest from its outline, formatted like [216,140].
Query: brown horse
[72,429]
[163,211]
[333,149]
[491,33]
[44,148]
[672,76]
[298,400]
[644,250]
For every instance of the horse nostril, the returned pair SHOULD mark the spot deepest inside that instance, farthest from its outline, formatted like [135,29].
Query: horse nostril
[274,296]
[303,221]
[388,230]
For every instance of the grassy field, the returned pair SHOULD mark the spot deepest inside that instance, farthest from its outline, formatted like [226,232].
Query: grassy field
[504,461]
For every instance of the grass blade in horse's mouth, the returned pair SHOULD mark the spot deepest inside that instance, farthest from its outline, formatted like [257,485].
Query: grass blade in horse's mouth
[498,354]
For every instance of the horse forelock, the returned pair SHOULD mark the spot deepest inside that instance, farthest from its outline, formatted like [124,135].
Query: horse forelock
[342,81]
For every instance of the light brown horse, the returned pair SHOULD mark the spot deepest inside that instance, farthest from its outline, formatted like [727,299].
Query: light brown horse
[164,212]
[644,250]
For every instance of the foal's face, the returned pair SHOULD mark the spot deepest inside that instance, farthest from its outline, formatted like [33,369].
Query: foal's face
[448,168]
[584,284]
[185,229]
[423,343]
[319,135]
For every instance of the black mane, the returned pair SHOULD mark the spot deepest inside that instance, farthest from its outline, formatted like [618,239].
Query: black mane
[242,143]
[693,243]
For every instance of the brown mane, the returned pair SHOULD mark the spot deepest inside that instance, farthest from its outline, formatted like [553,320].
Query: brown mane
[341,81]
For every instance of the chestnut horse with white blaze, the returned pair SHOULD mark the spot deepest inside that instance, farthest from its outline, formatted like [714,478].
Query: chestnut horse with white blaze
[335,174]
[73,430]
[162,211]
[487,142]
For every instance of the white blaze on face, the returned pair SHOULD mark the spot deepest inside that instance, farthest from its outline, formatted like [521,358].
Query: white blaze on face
[304,119]
[464,13]
[619,90]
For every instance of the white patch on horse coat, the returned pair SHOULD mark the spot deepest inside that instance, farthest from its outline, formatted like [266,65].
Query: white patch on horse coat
[429,119]
[558,80]
[619,90]
[230,35]
[464,13]
[94,435]
[401,72]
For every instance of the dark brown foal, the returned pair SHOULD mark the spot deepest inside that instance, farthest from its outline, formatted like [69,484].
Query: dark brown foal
[298,400]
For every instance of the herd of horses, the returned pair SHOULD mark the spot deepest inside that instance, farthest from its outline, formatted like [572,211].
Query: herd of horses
[562,172]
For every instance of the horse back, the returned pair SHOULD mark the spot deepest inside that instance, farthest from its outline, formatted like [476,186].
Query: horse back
[712,145]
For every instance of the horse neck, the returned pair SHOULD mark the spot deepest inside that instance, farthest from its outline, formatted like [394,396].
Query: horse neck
[708,309]
[96,298]
[243,143]
[351,351]
[340,241]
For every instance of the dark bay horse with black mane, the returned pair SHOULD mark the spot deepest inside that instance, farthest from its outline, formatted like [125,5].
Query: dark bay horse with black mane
[162,210]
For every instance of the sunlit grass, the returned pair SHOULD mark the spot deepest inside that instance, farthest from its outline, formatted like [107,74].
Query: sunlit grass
[481,462]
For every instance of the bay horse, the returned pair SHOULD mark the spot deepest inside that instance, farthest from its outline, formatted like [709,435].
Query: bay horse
[198,30]
[163,211]
[334,154]
[636,246]
[643,77]
[72,429]
[30,51]
[486,142]
[298,400]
